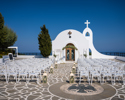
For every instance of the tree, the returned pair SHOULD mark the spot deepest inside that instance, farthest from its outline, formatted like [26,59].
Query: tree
[1,21]
[3,35]
[11,37]
[7,36]
[44,40]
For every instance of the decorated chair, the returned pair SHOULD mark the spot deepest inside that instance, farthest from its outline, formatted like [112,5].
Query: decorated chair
[11,58]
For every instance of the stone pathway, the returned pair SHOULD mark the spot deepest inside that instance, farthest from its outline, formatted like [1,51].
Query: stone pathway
[42,91]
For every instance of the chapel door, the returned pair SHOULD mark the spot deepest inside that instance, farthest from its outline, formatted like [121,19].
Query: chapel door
[70,54]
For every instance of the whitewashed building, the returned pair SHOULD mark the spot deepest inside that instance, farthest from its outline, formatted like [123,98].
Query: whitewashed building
[70,44]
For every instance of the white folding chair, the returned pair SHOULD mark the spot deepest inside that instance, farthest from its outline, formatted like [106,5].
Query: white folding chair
[23,71]
[96,72]
[119,72]
[33,72]
[12,71]
[84,71]
[3,71]
[107,72]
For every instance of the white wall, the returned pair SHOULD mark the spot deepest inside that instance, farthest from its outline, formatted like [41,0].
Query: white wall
[95,53]
[80,41]
[77,39]
[120,58]
[26,56]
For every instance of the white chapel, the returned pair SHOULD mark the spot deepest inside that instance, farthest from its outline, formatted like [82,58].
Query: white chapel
[70,44]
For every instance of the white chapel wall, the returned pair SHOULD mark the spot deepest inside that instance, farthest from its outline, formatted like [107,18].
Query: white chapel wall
[95,53]
[82,42]
[77,39]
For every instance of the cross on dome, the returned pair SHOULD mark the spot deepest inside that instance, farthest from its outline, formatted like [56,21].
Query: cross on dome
[87,23]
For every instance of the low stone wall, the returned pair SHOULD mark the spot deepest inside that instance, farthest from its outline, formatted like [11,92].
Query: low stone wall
[26,56]
[120,58]
[5,58]
[1,60]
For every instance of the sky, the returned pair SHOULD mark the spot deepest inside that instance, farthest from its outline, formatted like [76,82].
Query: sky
[106,17]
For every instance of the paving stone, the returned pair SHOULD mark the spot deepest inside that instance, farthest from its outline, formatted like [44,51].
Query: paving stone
[47,93]
[51,83]
[123,89]
[31,97]
[10,86]
[45,85]
[55,98]
[20,86]
[122,96]
[32,90]
[117,87]
[3,98]
[24,91]
[16,96]
[39,91]
[39,99]
[2,89]
[25,94]
[12,91]
[4,93]
[47,98]
[30,86]
[37,94]
[1,86]
[117,98]
[22,98]
[62,99]
[45,89]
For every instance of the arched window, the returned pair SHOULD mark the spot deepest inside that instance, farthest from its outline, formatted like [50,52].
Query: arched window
[87,34]
[90,52]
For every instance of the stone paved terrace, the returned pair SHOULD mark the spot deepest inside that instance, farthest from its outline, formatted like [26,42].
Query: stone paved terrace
[51,89]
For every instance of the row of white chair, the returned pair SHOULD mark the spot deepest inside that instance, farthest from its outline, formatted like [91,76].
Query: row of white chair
[100,68]
[26,68]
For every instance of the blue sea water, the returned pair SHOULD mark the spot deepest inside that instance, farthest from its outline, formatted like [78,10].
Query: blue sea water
[106,53]
[31,53]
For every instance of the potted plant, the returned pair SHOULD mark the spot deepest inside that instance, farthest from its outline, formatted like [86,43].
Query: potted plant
[54,55]
[85,55]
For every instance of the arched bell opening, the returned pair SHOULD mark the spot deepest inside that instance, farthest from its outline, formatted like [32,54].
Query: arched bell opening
[87,34]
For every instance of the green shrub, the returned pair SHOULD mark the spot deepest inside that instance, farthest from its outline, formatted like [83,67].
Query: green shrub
[54,55]
[85,55]
[90,53]
[0,56]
